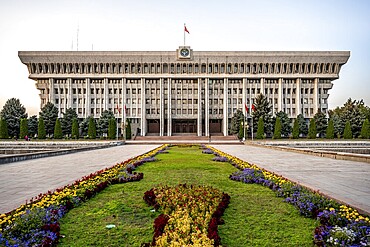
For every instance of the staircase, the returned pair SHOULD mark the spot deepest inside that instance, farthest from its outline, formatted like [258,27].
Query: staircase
[185,139]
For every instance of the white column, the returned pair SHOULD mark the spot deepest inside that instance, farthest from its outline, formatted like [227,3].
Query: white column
[87,98]
[206,106]
[105,105]
[316,96]
[244,100]
[199,124]
[69,95]
[280,95]
[123,110]
[143,110]
[51,91]
[225,120]
[169,113]
[298,96]
[161,109]
[262,86]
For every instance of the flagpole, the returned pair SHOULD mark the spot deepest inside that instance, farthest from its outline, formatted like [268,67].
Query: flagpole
[184,33]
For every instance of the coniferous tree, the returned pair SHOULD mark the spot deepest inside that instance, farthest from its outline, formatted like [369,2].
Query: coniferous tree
[32,126]
[330,130]
[237,118]
[285,121]
[112,129]
[128,129]
[303,128]
[58,133]
[277,129]
[3,129]
[241,131]
[262,108]
[103,123]
[295,133]
[312,129]
[13,111]
[321,123]
[347,131]
[92,128]
[23,128]
[49,113]
[75,131]
[41,133]
[365,130]
[84,126]
[67,120]
[260,129]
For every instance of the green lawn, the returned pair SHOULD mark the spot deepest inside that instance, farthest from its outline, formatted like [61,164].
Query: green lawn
[255,216]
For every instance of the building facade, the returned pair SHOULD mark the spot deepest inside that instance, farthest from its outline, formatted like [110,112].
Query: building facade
[184,91]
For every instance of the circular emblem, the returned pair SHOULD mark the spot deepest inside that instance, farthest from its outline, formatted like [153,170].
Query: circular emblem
[184,52]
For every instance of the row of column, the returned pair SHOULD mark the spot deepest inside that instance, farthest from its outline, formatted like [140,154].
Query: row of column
[143,124]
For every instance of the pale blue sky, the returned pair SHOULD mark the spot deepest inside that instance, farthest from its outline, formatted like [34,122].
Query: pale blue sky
[158,25]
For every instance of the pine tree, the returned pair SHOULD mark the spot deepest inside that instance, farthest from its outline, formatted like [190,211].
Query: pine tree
[295,132]
[277,129]
[285,121]
[41,129]
[330,130]
[49,113]
[92,128]
[3,129]
[321,123]
[365,130]
[67,120]
[32,126]
[128,129]
[58,134]
[262,108]
[112,129]
[75,130]
[13,111]
[23,128]
[241,131]
[237,118]
[102,124]
[260,129]
[303,128]
[347,131]
[312,129]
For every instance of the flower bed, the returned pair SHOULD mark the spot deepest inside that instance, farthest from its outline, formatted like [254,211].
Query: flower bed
[190,215]
[340,225]
[36,222]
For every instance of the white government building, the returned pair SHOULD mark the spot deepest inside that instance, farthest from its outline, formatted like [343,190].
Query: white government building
[183,92]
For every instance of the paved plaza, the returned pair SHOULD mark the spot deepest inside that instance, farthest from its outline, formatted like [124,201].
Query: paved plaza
[23,180]
[346,181]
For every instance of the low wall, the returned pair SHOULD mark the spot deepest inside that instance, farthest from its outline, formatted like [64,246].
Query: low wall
[330,149]
[53,149]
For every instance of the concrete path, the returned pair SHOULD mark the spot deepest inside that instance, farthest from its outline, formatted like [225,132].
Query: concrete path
[23,180]
[346,181]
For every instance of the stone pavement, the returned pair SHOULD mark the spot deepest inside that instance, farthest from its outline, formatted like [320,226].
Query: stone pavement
[346,181]
[23,180]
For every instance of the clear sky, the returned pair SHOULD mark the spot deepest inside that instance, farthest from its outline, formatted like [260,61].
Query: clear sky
[214,25]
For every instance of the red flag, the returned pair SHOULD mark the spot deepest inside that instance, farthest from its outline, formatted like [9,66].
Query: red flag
[246,108]
[118,109]
[253,108]
[186,30]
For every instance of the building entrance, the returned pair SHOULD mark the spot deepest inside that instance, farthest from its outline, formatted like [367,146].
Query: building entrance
[184,126]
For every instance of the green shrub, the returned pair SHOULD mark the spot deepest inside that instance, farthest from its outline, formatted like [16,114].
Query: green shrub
[23,129]
[3,129]
[41,132]
[128,129]
[347,131]
[260,129]
[295,132]
[58,134]
[92,129]
[277,130]
[312,132]
[365,130]
[112,128]
[330,130]
[75,131]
